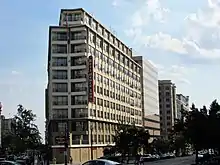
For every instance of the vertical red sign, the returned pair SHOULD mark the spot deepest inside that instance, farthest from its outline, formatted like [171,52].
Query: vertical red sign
[90,80]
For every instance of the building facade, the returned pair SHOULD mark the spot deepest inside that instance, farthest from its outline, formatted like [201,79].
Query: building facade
[93,85]
[182,103]
[152,124]
[167,105]
[6,127]
[149,84]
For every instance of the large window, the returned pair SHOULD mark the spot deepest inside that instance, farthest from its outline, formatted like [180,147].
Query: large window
[60,87]
[59,74]
[59,61]
[60,100]
[58,48]
[60,113]
[79,113]
[79,100]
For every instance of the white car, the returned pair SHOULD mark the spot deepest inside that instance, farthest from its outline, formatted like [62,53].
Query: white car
[101,162]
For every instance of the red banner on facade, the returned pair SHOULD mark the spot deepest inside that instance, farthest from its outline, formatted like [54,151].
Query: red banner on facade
[91,80]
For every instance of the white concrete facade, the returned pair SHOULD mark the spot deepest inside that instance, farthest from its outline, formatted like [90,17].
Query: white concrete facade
[149,76]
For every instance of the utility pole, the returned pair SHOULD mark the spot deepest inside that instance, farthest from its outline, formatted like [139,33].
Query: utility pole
[91,140]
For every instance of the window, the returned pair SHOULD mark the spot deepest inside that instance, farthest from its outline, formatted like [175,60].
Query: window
[78,61]
[59,61]
[59,36]
[79,126]
[60,113]
[167,100]
[79,100]
[58,48]
[78,36]
[167,93]
[77,87]
[60,87]
[80,48]
[60,100]
[79,113]
[59,74]
[167,105]
[75,74]
[61,126]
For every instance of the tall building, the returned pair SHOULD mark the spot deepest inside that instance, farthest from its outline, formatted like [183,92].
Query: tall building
[149,85]
[182,103]
[150,100]
[167,104]
[93,84]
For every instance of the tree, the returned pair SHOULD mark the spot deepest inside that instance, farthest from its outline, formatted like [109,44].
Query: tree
[161,145]
[25,133]
[130,140]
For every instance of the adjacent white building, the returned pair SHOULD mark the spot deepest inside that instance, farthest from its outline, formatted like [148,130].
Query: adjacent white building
[149,80]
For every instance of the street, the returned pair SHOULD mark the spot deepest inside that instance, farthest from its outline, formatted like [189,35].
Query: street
[188,160]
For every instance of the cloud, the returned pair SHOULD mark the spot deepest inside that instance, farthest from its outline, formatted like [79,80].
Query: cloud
[147,11]
[200,36]
[177,73]
[14,72]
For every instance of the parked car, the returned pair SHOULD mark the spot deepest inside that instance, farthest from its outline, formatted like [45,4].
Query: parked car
[112,158]
[8,163]
[146,158]
[101,162]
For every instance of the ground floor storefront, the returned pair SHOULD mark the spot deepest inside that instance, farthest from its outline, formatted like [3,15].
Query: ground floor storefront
[79,154]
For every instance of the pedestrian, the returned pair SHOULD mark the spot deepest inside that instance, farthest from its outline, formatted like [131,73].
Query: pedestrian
[70,159]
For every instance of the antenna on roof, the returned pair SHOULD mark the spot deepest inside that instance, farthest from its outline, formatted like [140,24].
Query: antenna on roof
[114,32]
[92,14]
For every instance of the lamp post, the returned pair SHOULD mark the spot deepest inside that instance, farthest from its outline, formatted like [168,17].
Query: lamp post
[91,140]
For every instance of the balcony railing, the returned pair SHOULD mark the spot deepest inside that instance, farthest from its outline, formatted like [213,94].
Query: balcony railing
[79,76]
[80,89]
[76,63]
[60,116]
[80,102]
[82,50]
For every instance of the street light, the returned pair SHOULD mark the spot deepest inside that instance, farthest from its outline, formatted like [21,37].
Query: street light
[91,140]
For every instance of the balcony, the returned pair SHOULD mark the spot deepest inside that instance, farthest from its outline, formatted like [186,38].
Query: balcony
[78,63]
[78,52]
[60,116]
[78,77]
[79,91]
[80,39]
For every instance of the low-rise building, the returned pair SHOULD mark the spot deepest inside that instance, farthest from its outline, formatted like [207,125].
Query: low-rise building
[152,124]
[7,125]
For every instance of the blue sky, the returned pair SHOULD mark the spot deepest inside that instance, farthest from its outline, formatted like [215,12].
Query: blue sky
[180,38]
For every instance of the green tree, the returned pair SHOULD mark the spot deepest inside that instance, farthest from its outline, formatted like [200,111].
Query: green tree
[161,145]
[130,139]
[25,133]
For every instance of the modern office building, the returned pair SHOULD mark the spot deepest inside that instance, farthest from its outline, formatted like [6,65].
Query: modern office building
[149,85]
[152,124]
[182,103]
[167,104]
[93,85]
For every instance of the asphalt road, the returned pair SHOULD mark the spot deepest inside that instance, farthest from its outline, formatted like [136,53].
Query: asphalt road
[188,160]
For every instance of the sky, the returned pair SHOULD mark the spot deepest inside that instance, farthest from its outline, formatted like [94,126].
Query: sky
[181,38]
